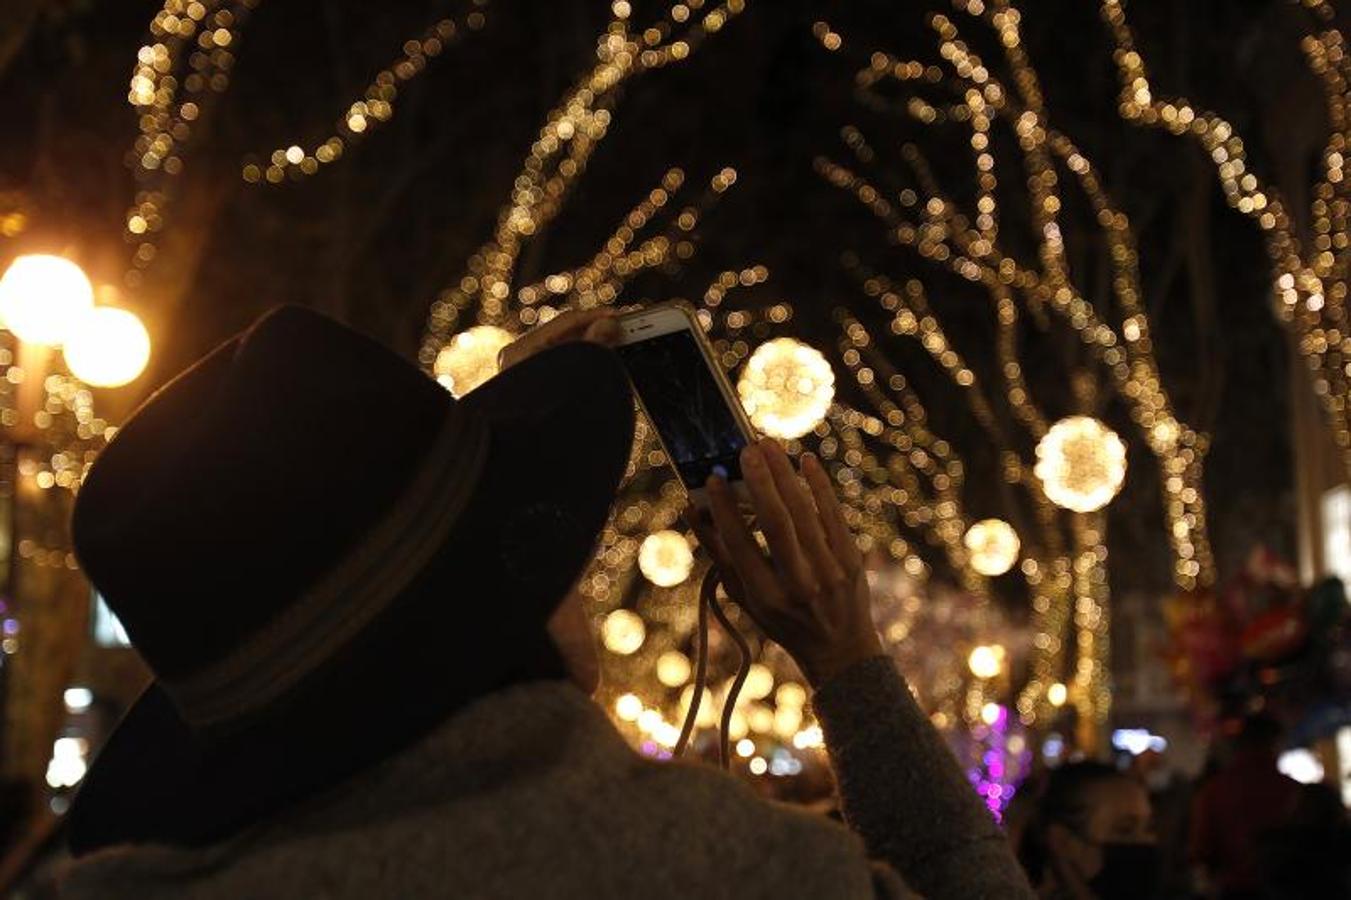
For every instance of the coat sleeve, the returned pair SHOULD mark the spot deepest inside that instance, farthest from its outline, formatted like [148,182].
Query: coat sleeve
[903,792]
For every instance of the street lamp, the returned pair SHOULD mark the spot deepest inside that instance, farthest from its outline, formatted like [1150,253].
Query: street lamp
[107,347]
[40,295]
[48,301]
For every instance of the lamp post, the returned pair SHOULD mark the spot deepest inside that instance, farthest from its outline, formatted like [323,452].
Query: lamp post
[47,302]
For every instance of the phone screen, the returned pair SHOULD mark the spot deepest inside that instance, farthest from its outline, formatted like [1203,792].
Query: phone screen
[686,406]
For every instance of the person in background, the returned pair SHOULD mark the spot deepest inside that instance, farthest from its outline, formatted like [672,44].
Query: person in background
[1310,856]
[1091,837]
[1237,808]
[373,669]
[1170,799]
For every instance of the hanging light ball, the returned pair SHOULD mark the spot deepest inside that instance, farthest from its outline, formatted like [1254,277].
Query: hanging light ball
[665,558]
[41,296]
[786,388]
[107,347]
[993,546]
[470,358]
[673,668]
[623,632]
[1081,464]
[1057,694]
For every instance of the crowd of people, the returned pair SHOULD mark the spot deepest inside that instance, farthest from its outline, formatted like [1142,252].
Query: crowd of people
[385,690]
[1240,831]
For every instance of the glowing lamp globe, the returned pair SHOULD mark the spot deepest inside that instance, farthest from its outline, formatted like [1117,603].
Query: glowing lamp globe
[623,632]
[993,546]
[42,296]
[1081,464]
[107,347]
[786,388]
[673,668]
[470,358]
[665,558]
[1057,694]
[986,662]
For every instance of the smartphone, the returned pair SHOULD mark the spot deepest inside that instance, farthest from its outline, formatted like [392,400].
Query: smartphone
[686,396]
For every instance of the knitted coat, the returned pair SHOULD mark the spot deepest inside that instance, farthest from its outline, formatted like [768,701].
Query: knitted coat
[530,792]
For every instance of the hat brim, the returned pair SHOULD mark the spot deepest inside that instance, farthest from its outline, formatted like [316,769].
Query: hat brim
[560,431]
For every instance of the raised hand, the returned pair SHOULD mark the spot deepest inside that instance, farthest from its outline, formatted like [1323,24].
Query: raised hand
[810,593]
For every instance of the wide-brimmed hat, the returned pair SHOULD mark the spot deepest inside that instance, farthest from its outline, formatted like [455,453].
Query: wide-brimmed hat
[321,554]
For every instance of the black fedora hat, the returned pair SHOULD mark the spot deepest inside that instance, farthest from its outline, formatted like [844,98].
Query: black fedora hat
[321,555]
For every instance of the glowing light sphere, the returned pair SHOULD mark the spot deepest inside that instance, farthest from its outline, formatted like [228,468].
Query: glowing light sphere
[986,662]
[623,632]
[107,347]
[1081,464]
[786,388]
[470,358]
[41,297]
[673,668]
[993,546]
[989,713]
[665,558]
[1057,694]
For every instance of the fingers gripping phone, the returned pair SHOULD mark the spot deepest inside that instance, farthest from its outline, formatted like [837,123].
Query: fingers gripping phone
[686,396]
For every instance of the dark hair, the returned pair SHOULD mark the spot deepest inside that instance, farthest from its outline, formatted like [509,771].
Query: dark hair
[1063,800]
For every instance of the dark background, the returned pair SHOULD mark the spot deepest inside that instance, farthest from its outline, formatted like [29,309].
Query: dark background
[375,237]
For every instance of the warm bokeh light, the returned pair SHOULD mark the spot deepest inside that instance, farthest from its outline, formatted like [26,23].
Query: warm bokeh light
[107,347]
[786,388]
[986,662]
[41,297]
[673,668]
[759,682]
[993,546]
[790,693]
[989,713]
[628,707]
[623,632]
[470,358]
[1081,463]
[707,716]
[665,558]
[1057,693]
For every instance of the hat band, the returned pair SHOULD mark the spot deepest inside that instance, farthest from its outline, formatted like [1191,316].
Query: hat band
[329,615]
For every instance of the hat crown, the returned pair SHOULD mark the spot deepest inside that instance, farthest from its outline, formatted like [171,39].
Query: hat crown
[245,479]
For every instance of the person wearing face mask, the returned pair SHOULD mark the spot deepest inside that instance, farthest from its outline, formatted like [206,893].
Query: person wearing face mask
[1091,837]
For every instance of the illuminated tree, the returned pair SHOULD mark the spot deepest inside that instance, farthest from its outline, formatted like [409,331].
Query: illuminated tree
[1310,250]
[965,235]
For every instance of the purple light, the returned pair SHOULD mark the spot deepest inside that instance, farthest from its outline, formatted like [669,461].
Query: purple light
[11,626]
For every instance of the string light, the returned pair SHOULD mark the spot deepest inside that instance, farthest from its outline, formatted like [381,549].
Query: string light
[362,116]
[665,558]
[557,158]
[1081,463]
[993,546]
[786,388]
[1067,584]
[1309,284]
